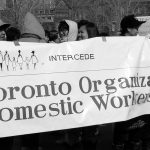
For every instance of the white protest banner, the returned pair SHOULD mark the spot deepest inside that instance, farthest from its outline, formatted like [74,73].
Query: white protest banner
[46,87]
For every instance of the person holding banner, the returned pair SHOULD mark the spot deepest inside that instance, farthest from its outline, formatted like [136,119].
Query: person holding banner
[86,137]
[32,31]
[133,134]
[71,138]
[90,134]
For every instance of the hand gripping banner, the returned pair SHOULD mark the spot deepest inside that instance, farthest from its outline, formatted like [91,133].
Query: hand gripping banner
[47,87]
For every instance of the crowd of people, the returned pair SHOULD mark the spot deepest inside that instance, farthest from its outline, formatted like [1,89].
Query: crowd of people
[128,135]
[67,30]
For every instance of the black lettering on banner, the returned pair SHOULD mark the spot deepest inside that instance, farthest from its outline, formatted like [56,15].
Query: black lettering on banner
[86,56]
[62,104]
[126,100]
[82,82]
[23,113]
[54,108]
[148,82]
[109,86]
[76,56]
[124,83]
[95,84]
[92,56]
[134,82]
[11,91]
[53,87]
[148,97]
[39,109]
[99,101]
[134,97]
[75,107]
[143,81]
[69,106]
[141,99]
[24,92]
[70,57]
[61,89]
[39,89]
[120,101]
[4,94]
[3,113]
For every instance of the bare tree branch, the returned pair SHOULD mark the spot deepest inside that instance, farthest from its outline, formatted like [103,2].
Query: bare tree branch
[137,4]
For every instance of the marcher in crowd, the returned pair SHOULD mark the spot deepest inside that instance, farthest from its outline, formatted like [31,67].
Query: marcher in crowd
[32,32]
[63,139]
[133,134]
[68,30]
[70,139]
[3,27]
[90,134]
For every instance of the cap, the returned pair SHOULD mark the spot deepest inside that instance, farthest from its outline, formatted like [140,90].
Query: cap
[130,22]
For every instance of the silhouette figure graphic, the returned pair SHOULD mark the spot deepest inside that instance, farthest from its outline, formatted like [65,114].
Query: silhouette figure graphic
[7,60]
[1,61]
[27,61]
[20,59]
[34,59]
[14,64]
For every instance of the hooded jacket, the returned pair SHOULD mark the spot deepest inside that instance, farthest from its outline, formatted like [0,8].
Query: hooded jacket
[32,30]
[73,30]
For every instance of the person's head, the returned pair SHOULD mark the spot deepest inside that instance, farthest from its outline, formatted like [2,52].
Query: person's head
[68,30]
[87,30]
[53,36]
[12,34]
[3,27]
[129,25]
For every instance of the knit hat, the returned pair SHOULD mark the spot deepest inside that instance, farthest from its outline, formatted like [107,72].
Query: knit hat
[32,25]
